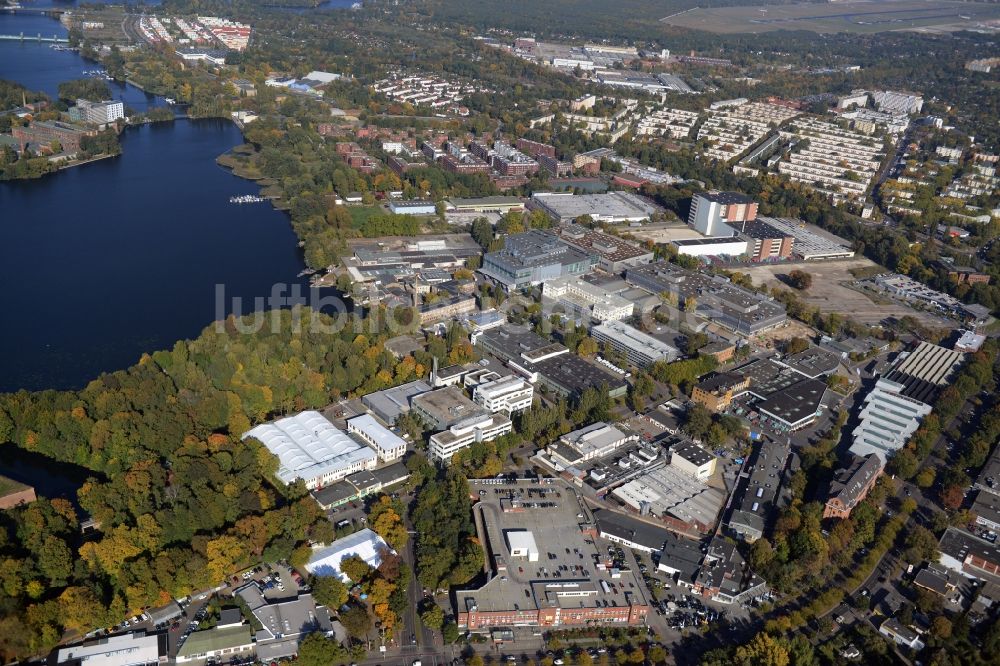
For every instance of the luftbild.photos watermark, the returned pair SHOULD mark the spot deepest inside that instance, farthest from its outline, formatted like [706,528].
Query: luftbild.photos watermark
[396,314]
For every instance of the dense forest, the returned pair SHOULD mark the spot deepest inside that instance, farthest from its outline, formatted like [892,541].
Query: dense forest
[180,500]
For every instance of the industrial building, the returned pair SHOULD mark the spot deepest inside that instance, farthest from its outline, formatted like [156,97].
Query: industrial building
[569,375]
[412,207]
[497,204]
[716,246]
[812,363]
[310,448]
[630,532]
[681,558]
[221,643]
[360,485]
[765,242]
[388,404]
[901,399]
[897,102]
[132,649]
[444,407]
[795,406]
[518,346]
[692,459]
[39,136]
[640,349]
[808,244]
[716,298]
[759,492]
[680,500]
[614,254]
[610,207]
[532,258]
[589,443]
[521,592]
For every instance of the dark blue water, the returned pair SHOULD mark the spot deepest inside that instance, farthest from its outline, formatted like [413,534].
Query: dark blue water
[102,262]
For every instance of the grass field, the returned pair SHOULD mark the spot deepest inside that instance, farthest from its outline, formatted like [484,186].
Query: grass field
[863,16]
[360,214]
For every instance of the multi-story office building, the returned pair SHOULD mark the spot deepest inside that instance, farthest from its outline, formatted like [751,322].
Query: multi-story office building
[507,394]
[100,113]
[710,211]
[532,258]
[388,445]
[577,298]
[641,349]
[463,434]
[716,392]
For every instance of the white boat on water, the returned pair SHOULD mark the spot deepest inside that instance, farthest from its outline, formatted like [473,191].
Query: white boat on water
[246,198]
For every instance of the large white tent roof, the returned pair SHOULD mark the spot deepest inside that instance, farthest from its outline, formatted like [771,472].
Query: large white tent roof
[308,446]
[366,544]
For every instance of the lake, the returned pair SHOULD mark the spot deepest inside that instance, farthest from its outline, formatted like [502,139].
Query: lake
[105,261]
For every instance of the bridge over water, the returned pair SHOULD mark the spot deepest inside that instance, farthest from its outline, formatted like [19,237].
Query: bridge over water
[34,38]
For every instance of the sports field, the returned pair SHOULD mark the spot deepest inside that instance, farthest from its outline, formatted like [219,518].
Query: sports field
[863,16]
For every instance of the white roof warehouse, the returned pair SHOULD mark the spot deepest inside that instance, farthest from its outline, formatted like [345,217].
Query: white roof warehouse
[311,448]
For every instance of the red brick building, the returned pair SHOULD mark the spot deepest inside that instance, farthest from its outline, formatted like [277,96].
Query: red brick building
[535,149]
[851,486]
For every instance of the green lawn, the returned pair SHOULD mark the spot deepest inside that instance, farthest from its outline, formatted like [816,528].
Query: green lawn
[361,213]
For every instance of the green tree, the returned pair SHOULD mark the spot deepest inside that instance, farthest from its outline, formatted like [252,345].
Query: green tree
[432,617]
[329,591]
[355,568]
[318,650]
[356,621]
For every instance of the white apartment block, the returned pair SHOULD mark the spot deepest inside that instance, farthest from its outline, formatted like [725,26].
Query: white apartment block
[731,131]
[673,123]
[443,445]
[830,156]
[581,298]
[507,394]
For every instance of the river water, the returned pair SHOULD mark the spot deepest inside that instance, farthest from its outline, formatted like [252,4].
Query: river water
[102,262]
